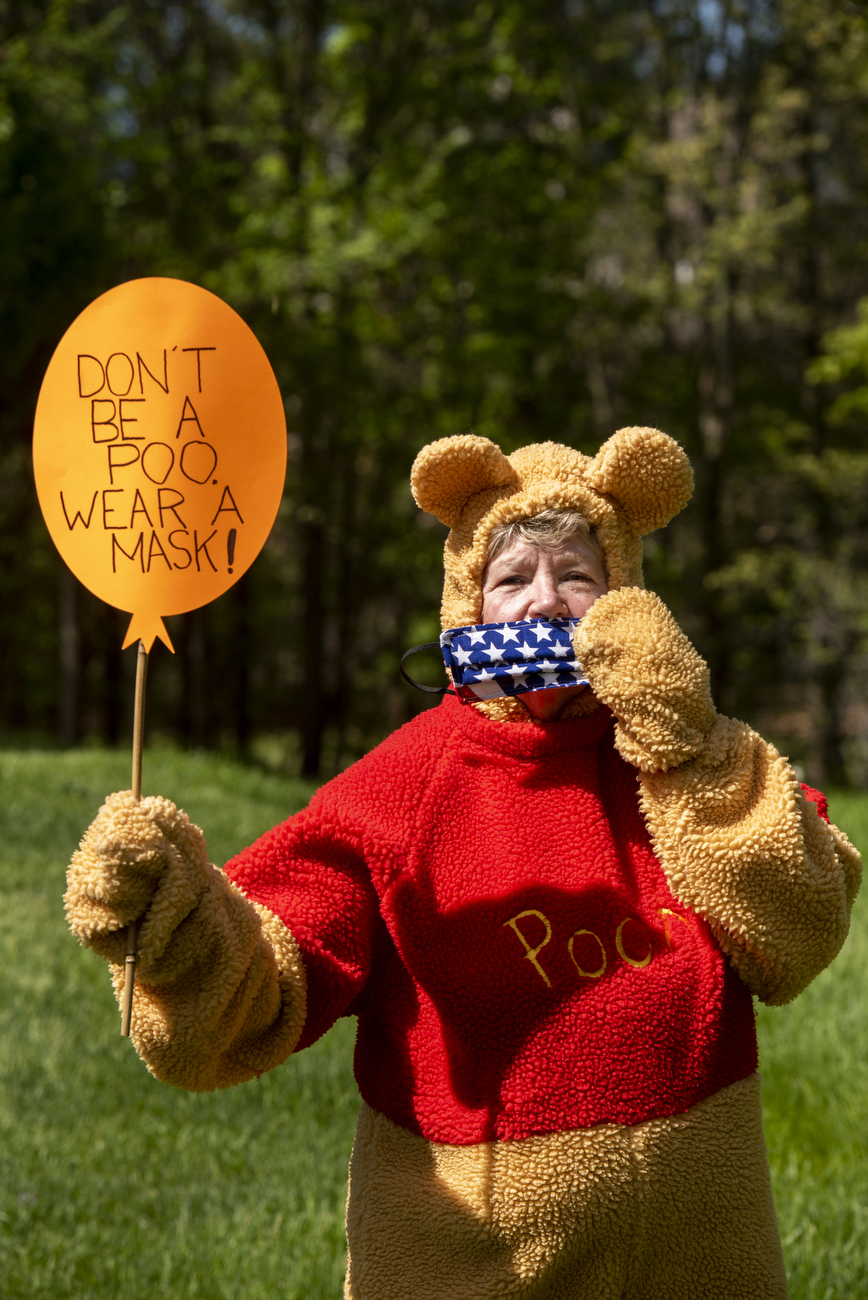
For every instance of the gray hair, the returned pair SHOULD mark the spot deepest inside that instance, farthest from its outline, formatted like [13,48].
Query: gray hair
[550,528]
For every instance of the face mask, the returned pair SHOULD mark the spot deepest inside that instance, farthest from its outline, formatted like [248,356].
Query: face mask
[489,660]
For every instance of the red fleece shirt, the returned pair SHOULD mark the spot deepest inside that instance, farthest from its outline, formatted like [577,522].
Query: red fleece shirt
[485,897]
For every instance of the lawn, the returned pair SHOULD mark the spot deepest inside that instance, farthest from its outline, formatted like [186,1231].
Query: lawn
[116,1187]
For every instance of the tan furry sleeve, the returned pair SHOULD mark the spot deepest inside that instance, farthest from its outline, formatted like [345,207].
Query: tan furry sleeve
[220,983]
[743,847]
[736,837]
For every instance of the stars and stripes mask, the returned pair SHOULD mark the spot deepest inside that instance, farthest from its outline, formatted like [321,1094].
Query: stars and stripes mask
[493,659]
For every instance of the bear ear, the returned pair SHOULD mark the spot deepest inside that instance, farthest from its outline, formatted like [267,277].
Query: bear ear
[448,472]
[646,473]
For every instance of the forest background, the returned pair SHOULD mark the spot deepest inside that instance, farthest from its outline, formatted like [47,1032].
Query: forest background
[533,219]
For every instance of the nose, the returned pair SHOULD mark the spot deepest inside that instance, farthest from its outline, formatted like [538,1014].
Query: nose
[546,600]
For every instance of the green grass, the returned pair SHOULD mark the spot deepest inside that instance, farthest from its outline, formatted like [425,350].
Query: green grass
[116,1186]
[814,1063]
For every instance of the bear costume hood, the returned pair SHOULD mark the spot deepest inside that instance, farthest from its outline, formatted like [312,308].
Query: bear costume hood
[638,481]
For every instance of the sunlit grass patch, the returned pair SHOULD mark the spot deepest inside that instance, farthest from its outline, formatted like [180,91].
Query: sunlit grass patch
[814,1062]
[114,1185]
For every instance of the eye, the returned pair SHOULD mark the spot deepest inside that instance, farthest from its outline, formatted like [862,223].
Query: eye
[511,580]
[577,575]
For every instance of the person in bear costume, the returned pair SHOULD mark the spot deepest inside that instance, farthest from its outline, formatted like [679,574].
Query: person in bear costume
[550,932]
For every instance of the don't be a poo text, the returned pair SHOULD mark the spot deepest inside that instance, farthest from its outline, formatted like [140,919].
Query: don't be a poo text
[162,501]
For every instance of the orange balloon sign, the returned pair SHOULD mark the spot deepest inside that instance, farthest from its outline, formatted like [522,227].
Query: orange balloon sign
[159,450]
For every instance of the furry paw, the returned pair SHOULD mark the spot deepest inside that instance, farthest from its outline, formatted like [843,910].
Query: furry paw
[138,858]
[643,667]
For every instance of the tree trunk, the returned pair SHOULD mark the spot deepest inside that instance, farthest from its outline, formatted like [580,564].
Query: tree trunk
[69,642]
[715,413]
[241,645]
[831,680]
[193,715]
[115,626]
[313,719]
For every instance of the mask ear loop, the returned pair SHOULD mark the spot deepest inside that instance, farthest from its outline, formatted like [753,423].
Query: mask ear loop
[430,690]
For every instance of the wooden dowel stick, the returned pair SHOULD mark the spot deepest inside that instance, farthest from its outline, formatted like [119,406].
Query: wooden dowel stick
[139,719]
[138,743]
[129,981]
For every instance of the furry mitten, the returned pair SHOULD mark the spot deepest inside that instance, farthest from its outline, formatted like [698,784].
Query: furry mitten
[138,858]
[221,987]
[643,667]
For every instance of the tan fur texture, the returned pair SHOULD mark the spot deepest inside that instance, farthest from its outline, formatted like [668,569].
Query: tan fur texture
[742,846]
[220,983]
[738,842]
[637,481]
[673,1209]
[641,664]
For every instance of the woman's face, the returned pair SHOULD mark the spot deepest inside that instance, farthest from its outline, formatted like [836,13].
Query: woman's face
[530,581]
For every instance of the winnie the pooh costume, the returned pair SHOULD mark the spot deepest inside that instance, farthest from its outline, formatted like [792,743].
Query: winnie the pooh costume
[549,932]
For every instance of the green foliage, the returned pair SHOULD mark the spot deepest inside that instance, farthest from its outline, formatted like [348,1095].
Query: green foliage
[535,220]
[114,1185]
[845,356]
